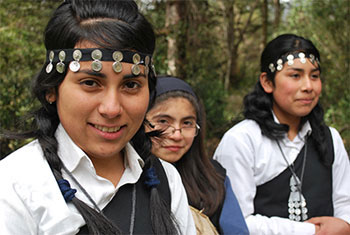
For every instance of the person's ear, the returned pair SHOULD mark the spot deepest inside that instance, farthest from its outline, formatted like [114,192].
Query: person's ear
[266,83]
[51,96]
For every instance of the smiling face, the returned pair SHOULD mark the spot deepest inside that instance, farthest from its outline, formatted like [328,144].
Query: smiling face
[296,90]
[177,112]
[102,111]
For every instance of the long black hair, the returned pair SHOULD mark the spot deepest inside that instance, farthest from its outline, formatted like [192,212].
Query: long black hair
[203,184]
[258,104]
[110,24]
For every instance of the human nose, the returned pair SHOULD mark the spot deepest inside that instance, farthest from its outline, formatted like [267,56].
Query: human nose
[110,106]
[176,133]
[307,84]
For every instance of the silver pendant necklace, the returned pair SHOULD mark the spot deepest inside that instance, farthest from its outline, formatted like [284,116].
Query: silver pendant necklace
[296,203]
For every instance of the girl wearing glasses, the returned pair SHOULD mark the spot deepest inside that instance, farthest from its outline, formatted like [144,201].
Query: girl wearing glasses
[178,115]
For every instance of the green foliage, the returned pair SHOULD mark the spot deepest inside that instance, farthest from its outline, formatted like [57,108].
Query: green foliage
[326,23]
[22,52]
[203,55]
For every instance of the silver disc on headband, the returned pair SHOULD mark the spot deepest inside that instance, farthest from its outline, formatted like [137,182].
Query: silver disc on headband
[62,56]
[117,56]
[117,67]
[74,66]
[49,68]
[96,54]
[312,58]
[60,67]
[147,60]
[135,69]
[96,65]
[77,55]
[136,58]
[51,55]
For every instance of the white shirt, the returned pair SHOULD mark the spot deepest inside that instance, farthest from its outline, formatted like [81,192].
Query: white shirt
[251,159]
[32,203]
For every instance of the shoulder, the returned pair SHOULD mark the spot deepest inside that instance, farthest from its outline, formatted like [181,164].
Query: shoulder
[26,171]
[174,178]
[23,160]
[245,134]
[338,144]
[335,135]
[30,192]
[246,127]
[170,171]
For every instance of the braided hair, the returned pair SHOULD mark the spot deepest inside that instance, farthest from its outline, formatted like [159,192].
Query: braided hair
[110,24]
[258,104]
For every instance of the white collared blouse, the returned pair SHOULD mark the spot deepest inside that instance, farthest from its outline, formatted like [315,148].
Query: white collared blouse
[32,203]
[250,160]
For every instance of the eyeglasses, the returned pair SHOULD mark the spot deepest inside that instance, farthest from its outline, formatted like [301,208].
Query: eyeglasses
[186,129]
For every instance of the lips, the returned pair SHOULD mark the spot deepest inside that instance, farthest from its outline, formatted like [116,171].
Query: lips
[306,100]
[173,148]
[107,129]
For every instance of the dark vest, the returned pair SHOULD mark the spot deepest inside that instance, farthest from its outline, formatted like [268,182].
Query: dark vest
[214,218]
[120,207]
[271,198]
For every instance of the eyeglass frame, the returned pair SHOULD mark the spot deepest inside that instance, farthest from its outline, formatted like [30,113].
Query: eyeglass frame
[197,128]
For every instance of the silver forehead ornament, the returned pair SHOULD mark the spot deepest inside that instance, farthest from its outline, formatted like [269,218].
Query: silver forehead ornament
[290,60]
[96,55]
[60,66]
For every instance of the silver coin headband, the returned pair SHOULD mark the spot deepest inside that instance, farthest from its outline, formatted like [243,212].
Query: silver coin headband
[289,58]
[96,55]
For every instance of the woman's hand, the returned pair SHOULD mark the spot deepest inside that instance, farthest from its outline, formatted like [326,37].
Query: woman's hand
[326,225]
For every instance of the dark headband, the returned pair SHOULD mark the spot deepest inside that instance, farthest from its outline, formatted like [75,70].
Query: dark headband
[96,55]
[167,84]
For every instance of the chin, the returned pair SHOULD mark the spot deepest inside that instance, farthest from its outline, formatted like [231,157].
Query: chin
[171,159]
[303,114]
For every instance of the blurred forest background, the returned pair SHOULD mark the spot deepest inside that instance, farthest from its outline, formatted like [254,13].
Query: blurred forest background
[214,45]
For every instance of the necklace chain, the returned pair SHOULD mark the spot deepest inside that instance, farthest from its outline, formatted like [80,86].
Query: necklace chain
[291,166]
[296,203]
[81,188]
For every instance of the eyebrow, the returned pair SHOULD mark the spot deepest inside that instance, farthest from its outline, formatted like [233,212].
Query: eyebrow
[102,75]
[163,116]
[129,76]
[92,73]
[302,70]
[170,117]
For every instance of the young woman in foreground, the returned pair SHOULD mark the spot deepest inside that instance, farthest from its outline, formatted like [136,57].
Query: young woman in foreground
[89,169]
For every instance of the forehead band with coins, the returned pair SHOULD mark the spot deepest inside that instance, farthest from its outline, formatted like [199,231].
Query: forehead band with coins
[290,57]
[59,58]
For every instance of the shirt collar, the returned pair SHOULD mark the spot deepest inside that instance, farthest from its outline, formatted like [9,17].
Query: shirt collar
[70,154]
[133,166]
[133,160]
[305,129]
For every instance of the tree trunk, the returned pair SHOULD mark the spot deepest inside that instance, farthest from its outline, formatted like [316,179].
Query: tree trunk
[229,15]
[174,12]
[277,6]
[235,36]
[264,10]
